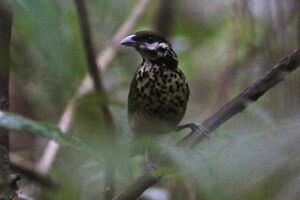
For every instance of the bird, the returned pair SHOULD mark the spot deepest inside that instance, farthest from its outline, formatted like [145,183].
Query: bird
[159,92]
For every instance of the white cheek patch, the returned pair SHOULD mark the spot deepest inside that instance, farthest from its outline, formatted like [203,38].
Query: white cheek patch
[155,45]
[163,45]
[152,46]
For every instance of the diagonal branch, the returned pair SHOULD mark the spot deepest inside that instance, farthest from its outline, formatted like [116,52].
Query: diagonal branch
[103,61]
[235,106]
[105,57]
[249,95]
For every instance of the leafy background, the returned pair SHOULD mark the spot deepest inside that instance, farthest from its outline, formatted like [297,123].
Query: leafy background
[223,46]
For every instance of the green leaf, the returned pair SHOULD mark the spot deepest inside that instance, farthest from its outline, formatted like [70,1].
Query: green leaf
[19,123]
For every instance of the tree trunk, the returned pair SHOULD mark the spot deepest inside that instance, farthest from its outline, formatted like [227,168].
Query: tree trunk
[7,181]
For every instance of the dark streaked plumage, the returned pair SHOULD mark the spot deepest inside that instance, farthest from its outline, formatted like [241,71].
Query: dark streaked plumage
[158,93]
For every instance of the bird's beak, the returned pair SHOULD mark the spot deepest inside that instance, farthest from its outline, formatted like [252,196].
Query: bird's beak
[128,41]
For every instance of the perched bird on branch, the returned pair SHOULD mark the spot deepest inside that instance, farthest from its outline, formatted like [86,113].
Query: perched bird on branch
[159,92]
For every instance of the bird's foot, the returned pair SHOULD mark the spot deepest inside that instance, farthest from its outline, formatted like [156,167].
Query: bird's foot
[151,167]
[149,164]
[195,127]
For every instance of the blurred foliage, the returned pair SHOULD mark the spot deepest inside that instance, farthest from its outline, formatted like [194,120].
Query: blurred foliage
[223,46]
[242,166]
[65,191]
[50,131]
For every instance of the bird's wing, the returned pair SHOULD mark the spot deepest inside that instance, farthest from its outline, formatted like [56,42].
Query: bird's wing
[132,98]
[188,91]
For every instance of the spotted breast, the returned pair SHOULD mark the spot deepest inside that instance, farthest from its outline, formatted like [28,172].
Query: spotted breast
[158,98]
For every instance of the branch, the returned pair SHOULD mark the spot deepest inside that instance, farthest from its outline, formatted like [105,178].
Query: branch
[103,60]
[87,44]
[238,104]
[105,57]
[249,95]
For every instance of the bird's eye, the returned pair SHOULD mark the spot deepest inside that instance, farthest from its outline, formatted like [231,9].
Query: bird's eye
[150,39]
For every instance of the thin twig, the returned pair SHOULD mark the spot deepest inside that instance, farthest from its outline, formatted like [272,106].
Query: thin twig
[235,106]
[103,60]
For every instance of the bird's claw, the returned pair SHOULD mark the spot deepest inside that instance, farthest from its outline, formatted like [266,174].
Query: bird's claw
[151,167]
[195,127]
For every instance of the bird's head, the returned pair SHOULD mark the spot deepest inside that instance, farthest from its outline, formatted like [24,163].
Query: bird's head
[151,46]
